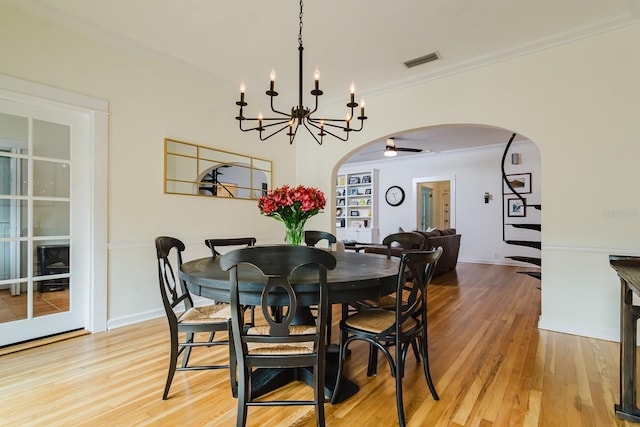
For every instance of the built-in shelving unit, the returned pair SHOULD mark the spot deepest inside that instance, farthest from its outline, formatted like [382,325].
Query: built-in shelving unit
[356,206]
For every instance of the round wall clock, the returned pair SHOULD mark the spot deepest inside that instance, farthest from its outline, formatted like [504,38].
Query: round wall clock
[394,195]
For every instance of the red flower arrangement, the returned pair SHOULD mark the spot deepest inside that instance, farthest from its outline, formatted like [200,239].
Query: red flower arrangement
[293,207]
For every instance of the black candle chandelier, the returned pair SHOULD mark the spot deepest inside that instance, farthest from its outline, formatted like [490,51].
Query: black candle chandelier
[300,115]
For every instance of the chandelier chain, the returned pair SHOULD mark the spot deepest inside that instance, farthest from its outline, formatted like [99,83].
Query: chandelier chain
[300,33]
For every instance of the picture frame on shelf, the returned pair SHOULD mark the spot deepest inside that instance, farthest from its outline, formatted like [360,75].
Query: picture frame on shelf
[366,179]
[367,191]
[340,202]
[354,213]
[353,191]
[354,180]
[521,183]
[516,207]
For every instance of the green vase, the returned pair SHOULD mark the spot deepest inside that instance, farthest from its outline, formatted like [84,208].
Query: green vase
[295,235]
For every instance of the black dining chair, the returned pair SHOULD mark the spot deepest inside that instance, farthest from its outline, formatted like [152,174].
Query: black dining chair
[278,343]
[210,319]
[312,237]
[407,240]
[231,242]
[400,328]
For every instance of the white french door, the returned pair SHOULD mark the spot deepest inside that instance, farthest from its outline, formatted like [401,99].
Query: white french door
[44,223]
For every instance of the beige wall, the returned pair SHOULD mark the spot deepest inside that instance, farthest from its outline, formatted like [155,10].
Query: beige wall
[582,111]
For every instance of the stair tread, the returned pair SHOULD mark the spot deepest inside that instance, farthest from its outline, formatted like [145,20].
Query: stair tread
[529,226]
[530,243]
[530,260]
[534,274]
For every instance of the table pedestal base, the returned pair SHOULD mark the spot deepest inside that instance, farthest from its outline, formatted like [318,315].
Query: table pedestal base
[266,380]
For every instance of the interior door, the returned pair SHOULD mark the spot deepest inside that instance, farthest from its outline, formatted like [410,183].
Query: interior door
[426,204]
[42,279]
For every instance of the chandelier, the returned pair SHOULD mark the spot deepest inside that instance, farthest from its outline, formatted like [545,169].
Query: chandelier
[301,115]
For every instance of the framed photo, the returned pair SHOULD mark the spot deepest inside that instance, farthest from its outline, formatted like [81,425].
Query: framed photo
[367,191]
[366,179]
[354,213]
[340,202]
[516,208]
[354,180]
[353,191]
[520,182]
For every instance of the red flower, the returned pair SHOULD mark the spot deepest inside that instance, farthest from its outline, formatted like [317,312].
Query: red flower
[292,206]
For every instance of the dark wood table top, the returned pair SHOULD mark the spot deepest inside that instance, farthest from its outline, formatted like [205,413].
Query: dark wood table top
[357,276]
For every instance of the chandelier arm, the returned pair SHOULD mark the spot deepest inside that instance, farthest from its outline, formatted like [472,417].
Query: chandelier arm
[292,133]
[315,108]
[263,126]
[277,111]
[274,133]
[323,130]
[319,141]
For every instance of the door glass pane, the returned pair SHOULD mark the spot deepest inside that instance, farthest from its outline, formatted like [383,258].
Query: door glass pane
[50,179]
[52,295]
[13,175]
[14,132]
[50,218]
[51,140]
[13,305]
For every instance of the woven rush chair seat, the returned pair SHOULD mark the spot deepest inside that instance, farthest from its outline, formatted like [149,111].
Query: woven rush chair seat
[305,347]
[387,302]
[378,321]
[210,313]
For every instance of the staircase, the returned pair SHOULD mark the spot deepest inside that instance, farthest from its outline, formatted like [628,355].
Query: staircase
[510,196]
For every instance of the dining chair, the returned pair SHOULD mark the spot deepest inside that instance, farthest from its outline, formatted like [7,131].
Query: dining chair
[312,237]
[400,328]
[278,343]
[212,318]
[407,240]
[231,242]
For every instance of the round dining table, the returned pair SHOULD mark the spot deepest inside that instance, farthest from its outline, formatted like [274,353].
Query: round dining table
[357,276]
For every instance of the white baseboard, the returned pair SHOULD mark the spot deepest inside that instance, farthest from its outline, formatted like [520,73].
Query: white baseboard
[497,262]
[119,322]
[565,328]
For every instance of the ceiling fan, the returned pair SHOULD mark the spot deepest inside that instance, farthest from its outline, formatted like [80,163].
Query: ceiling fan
[390,149]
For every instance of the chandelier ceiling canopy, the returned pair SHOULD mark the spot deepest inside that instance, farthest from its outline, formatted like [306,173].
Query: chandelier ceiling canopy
[318,127]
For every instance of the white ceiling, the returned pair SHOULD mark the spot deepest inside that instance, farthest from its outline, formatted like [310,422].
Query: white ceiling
[365,41]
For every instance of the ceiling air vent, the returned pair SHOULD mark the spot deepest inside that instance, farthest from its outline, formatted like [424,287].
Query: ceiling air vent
[433,56]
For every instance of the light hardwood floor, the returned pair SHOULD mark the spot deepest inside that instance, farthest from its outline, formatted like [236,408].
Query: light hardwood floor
[490,363]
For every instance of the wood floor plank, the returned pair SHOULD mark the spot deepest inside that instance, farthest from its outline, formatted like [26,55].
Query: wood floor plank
[491,365]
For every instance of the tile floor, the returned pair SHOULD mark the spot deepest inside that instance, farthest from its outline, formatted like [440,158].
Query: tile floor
[15,307]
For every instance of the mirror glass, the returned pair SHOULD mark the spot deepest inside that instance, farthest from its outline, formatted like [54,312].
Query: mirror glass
[203,171]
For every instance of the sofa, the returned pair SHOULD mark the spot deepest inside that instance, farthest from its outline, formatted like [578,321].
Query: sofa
[448,239]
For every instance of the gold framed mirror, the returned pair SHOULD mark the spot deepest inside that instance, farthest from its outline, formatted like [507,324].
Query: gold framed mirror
[197,170]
